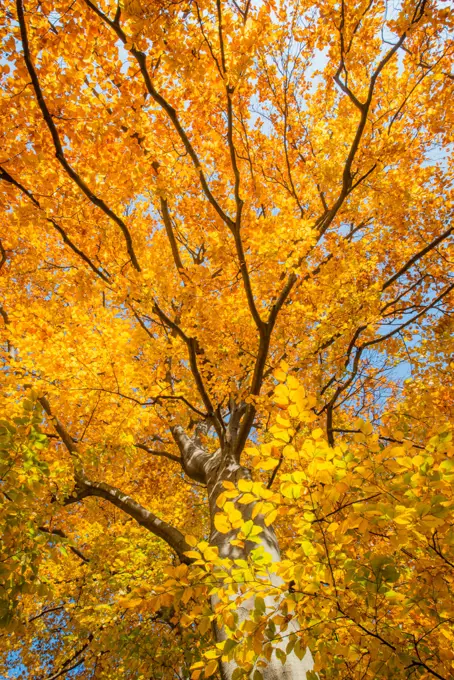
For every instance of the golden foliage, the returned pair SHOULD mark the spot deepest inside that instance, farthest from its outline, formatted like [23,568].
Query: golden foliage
[210,211]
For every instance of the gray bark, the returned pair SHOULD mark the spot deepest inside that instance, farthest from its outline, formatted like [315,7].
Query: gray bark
[213,470]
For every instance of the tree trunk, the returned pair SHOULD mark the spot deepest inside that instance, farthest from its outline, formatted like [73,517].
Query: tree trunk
[294,668]
[213,470]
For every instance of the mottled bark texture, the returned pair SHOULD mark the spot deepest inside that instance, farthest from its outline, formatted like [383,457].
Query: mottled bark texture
[214,469]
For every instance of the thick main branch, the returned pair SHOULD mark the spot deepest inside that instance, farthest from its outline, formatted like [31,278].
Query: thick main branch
[87,487]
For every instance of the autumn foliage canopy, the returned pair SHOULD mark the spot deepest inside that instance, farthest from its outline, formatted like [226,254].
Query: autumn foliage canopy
[226,339]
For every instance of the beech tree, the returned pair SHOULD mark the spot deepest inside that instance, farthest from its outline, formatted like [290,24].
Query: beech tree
[227,315]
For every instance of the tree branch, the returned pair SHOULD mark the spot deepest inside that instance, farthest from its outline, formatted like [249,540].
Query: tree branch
[141,59]
[86,487]
[60,155]
[193,457]
[59,532]
[417,256]
[4,175]
[412,320]
[66,668]
[171,236]
[193,349]
[247,282]
[162,454]
[347,179]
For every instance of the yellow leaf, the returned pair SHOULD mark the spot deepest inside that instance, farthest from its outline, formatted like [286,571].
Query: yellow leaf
[324,477]
[298,396]
[246,499]
[366,428]
[270,517]
[233,513]
[131,603]
[293,411]
[308,548]
[281,390]
[204,625]
[210,668]
[197,664]
[292,382]
[188,593]
[191,540]
[186,620]
[269,463]
[221,499]
[211,654]
[221,523]
[406,462]
[193,555]
[245,484]
[280,375]
[290,452]
[291,491]
[228,619]
[283,435]
[211,553]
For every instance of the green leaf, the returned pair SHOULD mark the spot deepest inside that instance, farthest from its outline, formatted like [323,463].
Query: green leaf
[281,655]
[299,650]
[390,573]
[259,605]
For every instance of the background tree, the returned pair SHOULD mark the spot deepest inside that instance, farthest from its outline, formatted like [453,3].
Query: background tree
[225,243]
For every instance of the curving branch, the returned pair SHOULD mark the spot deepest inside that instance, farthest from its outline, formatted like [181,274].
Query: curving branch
[2,249]
[5,176]
[194,458]
[4,315]
[171,237]
[193,351]
[141,59]
[86,487]
[247,282]
[347,176]
[229,90]
[66,667]
[150,402]
[173,537]
[60,155]
[414,318]
[359,349]
[417,256]
[162,454]
[59,532]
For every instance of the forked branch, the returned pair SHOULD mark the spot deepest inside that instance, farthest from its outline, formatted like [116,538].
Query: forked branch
[5,176]
[60,155]
[86,487]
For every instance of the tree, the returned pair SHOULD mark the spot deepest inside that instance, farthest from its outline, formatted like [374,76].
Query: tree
[227,325]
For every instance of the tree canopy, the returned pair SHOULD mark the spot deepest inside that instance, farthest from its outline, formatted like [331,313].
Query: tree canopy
[226,339]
